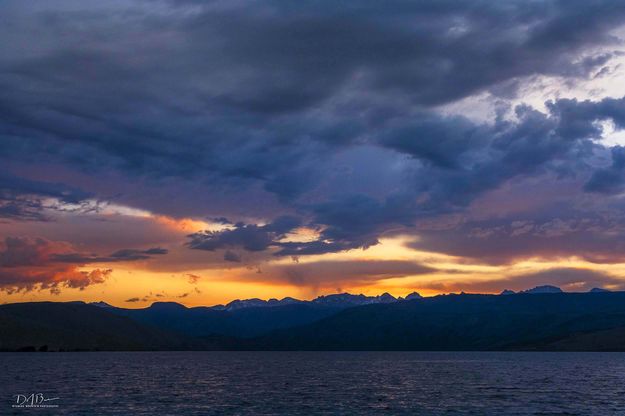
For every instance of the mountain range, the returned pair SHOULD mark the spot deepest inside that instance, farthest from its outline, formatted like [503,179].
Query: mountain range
[543,318]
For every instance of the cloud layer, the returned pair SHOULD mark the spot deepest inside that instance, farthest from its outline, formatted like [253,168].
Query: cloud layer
[308,130]
[28,264]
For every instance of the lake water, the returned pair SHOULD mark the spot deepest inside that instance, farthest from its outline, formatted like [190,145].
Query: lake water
[311,383]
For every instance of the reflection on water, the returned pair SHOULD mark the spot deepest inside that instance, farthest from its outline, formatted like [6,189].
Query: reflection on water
[308,383]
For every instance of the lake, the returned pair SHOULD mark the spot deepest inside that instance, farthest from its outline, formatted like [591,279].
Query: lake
[313,383]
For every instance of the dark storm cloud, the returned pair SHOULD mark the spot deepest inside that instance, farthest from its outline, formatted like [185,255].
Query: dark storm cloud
[440,141]
[206,85]
[250,237]
[460,161]
[577,118]
[12,185]
[127,254]
[352,221]
[255,98]
[464,160]
[22,210]
[346,223]
[432,51]
[23,199]
[612,178]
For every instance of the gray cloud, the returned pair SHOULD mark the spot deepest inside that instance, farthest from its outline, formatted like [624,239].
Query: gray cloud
[459,162]
[250,237]
[127,254]
[190,108]
[556,231]
[568,279]
[23,199]
[332,273]
[209,110]
[611,179]
[232,256]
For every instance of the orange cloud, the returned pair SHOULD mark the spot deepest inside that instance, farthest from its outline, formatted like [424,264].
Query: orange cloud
[28,264]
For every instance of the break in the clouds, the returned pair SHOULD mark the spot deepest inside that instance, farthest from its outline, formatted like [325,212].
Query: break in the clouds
[313,129]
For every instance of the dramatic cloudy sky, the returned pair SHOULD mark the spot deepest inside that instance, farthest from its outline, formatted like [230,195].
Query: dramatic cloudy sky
[201,151]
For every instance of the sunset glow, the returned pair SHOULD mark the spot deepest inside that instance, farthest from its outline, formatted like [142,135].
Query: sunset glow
[200,162]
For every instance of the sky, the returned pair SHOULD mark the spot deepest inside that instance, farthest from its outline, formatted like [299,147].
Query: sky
[204,151]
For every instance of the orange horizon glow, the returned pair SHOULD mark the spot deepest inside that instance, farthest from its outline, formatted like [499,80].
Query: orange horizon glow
[220,286]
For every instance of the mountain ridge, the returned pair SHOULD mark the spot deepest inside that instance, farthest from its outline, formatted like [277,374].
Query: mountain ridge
[523,321]
[458,322]
[345,299]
